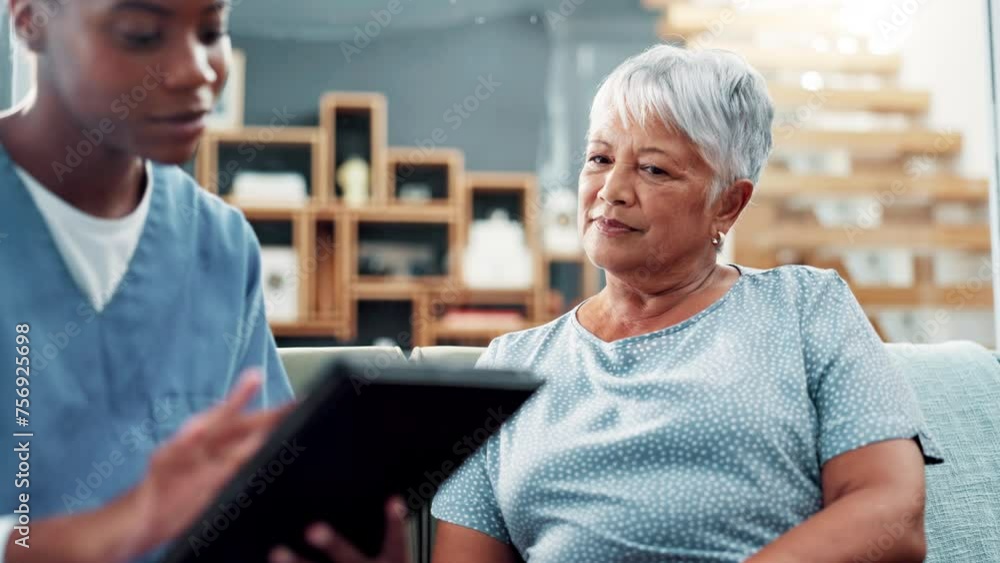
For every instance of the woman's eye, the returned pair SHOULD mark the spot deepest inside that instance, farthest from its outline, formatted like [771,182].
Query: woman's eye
[599,159]
[141,40]
[655,171]
[212,36]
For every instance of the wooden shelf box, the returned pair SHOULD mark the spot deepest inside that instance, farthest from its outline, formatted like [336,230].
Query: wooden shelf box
[440,171]
[517,194]
[223,154]
[354,123]
[383,318]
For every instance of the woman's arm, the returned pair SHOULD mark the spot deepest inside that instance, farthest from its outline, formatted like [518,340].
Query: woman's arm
[457,544]
[873,511]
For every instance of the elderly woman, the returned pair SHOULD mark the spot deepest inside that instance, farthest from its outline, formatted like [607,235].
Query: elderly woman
[693,411]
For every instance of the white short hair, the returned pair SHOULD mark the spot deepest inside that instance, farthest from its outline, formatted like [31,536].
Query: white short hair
[713,97]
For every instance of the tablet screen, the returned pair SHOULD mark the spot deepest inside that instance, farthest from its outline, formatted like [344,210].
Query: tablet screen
[357,439]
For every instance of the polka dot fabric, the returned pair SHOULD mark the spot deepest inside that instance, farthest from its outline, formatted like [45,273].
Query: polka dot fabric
[699,442]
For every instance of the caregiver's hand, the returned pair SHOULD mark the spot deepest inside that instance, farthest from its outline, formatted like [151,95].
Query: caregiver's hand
[339,550]
[184,475]
[187,472]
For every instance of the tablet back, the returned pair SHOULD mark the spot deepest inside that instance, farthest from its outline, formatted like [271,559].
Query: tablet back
[362,435]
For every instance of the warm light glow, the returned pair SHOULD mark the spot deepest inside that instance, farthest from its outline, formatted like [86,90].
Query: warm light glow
[848,45]
[812,80]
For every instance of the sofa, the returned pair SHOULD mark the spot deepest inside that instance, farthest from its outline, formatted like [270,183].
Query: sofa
[957,385]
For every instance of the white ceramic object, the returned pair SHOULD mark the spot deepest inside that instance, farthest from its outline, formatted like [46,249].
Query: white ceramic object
[354,176]
[270,188]
[279,273]
[497,256]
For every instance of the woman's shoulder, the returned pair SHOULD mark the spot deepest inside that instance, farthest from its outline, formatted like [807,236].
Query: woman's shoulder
[795,283]
[793,278]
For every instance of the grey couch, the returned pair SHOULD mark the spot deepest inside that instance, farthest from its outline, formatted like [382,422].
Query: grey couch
[957,385]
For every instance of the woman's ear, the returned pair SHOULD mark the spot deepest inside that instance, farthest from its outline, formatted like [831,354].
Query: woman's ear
[732,201]
[31,18]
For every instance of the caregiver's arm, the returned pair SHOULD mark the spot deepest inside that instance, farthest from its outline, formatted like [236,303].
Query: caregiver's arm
[184,475]
[457,544]
[873,510]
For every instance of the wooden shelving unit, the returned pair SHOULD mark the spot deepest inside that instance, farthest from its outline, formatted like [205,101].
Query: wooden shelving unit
[808,237]
[326,232]
[883,100]
[889,159]
[779,185]
[767,60]
[867,142]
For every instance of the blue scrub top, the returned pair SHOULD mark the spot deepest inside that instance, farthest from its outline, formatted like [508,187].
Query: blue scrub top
[106,388]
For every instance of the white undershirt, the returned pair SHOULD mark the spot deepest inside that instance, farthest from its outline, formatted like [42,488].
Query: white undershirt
[96,251]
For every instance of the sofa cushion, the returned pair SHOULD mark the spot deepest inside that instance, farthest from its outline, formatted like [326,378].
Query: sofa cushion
[958,388]
[303,365]
[447,356]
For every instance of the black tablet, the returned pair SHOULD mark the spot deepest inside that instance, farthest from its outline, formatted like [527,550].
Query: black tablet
[359,437]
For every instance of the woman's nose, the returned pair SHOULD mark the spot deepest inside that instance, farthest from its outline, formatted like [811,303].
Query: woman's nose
[189,68]
[617,189]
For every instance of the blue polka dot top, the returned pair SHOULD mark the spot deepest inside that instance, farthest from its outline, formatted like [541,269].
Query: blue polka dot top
[700,442]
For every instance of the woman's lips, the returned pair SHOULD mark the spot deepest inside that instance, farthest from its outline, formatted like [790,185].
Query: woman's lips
[612,228]
[183,126]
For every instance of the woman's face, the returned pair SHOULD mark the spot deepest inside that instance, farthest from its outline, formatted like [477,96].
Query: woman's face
[144,73]
[643,197]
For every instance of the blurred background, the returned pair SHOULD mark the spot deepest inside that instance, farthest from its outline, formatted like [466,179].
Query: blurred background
[410,165]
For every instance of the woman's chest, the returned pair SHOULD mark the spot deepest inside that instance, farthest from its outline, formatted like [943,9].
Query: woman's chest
[649,441]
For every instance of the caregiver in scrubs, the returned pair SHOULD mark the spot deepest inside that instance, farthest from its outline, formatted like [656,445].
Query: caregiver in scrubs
[130,296]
